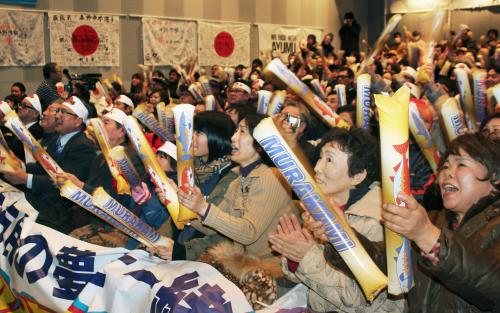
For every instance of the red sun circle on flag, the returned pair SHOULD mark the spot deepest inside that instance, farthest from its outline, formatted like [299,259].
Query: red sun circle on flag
[224,44]
[85,40]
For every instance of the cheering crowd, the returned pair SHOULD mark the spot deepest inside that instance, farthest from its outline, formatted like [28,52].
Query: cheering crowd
[249,224]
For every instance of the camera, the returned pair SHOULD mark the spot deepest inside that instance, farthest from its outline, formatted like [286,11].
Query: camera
[293,121]
[83,81]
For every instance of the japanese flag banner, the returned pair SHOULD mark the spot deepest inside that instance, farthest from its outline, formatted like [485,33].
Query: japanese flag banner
[223,44]
[21,37]
[84,39]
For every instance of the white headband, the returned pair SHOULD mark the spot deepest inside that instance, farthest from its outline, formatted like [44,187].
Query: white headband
[5,107]
[240,85]
[116,115]
[76,105]
[35,102]
[125,100]
[170,149]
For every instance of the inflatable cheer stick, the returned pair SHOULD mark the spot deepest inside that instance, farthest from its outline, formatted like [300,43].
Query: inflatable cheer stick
[13,122]
[166,118]
[452,119]
[341,96]
[363,101]
[149,120]
[210,103]
[339,233]
[318,89]
[122,186]
[263,98]
[152,167]
[126,167]
[183,114]
[313,101]
[423,137]
[480,98]
[118,216]
[195,92]
[394,147]
[102,200]
[276,103]
[379,44]
[466,98]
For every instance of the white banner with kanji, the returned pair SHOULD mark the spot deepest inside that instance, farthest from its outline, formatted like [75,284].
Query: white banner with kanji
[45,271]
[283,40]
[21,39]
[223,44]
[167,42]
[85,39]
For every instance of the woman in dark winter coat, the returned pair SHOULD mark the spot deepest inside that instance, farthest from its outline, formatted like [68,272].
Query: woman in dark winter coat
[456,250]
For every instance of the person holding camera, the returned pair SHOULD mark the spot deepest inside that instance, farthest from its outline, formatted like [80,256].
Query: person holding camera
[294,120]
[349,34]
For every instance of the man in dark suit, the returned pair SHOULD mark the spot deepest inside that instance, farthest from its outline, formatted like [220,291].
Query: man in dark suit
[73,151]
[29,112]
[100,174]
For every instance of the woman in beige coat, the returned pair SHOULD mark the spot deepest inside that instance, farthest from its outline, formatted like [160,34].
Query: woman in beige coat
[253,202]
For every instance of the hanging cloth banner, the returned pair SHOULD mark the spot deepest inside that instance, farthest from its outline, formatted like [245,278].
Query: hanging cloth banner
[282,41]
[84,39]
[21,37]
[167,42]
[223,44]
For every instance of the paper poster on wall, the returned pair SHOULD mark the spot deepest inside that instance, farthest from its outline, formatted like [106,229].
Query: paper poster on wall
[282,41]
[21,39]
[167,42]
[223,44]
[84,39]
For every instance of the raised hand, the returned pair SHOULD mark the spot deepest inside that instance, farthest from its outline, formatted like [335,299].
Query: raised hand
[411,221]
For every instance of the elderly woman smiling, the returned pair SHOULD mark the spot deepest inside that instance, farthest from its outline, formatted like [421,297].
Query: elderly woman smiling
[347,172]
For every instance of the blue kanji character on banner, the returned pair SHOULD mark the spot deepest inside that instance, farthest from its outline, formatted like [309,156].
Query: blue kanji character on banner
[210,300]
[75,270]
[167,298]
[145,276]
[40,248]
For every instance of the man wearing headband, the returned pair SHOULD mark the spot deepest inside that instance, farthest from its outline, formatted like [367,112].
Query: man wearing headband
[73,151]
[29,112]
[124,103]
[100,174]
[238,93]
[87,226]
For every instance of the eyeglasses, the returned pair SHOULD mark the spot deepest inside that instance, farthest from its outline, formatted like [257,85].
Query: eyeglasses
[23,105]
[63,111]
